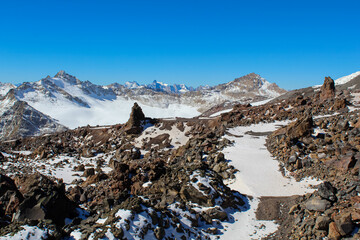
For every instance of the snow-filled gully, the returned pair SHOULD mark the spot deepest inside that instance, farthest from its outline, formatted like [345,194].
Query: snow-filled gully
[258,176]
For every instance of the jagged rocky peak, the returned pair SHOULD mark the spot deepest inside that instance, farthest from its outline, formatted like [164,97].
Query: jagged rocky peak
[11,94]
[134,124]
[65,76]
[132,85]
[254,83]
[327,90]
[251,77]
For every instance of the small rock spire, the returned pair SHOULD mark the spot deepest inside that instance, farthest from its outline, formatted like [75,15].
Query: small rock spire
[134,124]
[327,90]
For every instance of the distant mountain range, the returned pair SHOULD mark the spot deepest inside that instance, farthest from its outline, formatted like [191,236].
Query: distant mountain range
[65,101]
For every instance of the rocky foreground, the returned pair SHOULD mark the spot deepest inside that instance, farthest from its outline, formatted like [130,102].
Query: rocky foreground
[165,179]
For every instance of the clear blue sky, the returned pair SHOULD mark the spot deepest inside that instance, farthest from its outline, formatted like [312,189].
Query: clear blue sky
[292,43]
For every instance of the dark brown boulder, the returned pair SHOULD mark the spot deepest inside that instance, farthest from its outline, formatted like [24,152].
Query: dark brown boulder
[327,90]
[357,124]
[298,129]
[339,104]
[45,200]
[333,231]
[214,213]
[89,172]
[10,197]
[161,141]
[327,191]
[190,194]
[344,224]
[133,204]
[134,124]
[2,158]
[345,163]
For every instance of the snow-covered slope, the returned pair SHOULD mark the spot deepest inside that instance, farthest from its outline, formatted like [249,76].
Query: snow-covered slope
[18,119]
[346,79]
[247,89]
[76,103]
[5,88]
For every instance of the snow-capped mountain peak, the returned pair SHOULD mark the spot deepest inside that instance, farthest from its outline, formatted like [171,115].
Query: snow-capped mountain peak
[132,85]
[164,87]
[5,88]
[77,103]
[62,75]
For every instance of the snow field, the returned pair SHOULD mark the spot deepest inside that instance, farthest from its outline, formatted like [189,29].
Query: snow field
[28,233]
[258,176]
[177,137]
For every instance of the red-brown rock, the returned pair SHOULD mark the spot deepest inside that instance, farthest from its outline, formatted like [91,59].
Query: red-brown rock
[327,90]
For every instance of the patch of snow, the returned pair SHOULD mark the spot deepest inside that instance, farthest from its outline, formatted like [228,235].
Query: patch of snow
[109,235]
[101,220]
[325,116]
[28,233]
[26,153]
[5,88]
[245,225]
[123,214]
[317,131]
[202,180]
[220,112]
[258,176]
[261,102]
[76,234]
[178,138]
[356,98]
[259,173]
[147,184]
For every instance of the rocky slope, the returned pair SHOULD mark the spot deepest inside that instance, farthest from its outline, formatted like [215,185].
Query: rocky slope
[159,178]
[18,119]
[328,148]
[160,182]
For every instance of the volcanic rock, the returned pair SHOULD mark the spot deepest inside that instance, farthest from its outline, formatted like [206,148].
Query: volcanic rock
[134,124]
[10,197]
[345,163]
[333,232]
[327,191]
[89,172]
[295,130]
[344,224]
[327,90]
[191,194]
[214,213]
[322,223]
[317,204]
[45,200]
[2,158]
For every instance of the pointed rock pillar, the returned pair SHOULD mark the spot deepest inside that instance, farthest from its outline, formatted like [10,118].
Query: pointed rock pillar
[327,90]
[134,124]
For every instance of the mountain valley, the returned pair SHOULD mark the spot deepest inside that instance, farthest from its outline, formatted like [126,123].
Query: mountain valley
[242,160]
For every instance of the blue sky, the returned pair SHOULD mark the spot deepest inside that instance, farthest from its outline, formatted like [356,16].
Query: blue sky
[292,43]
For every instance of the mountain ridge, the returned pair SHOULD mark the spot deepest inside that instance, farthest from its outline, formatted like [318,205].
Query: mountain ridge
[64,97]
